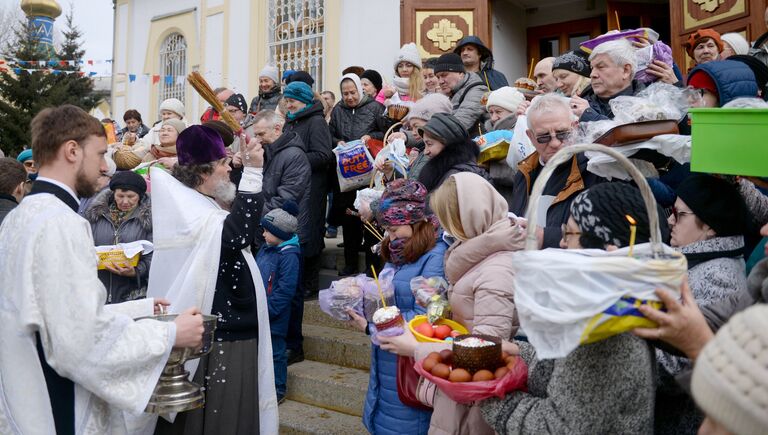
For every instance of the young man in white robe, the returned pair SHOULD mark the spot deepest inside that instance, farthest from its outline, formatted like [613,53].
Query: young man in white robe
[70,365]
[203,227]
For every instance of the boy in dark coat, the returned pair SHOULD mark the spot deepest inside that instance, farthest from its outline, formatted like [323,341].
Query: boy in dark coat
[279,263]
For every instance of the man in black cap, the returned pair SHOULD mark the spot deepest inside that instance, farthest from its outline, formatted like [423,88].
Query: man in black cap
[477,58]
[466,92]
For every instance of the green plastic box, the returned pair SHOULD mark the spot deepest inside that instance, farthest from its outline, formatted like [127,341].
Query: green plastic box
[730,141]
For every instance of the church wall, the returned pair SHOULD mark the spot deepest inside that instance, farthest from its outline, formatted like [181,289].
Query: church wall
[369,37]
[237,49]
[508,31]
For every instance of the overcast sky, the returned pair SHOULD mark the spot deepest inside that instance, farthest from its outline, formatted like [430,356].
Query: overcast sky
[95,18]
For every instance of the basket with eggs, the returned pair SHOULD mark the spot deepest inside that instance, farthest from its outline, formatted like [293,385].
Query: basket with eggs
[475,369]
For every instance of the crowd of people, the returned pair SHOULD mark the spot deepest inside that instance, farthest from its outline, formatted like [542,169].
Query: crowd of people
[262,198]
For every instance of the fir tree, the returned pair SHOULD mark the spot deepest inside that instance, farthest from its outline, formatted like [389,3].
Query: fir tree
[25,94]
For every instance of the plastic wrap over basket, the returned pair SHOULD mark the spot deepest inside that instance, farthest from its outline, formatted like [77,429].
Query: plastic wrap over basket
[569,297]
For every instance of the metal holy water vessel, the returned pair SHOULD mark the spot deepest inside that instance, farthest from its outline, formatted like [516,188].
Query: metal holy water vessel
[174,391]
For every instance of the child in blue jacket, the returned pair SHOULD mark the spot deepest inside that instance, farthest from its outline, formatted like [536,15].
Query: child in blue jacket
[279,263]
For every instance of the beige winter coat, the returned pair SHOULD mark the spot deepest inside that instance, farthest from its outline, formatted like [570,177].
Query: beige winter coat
[481,293]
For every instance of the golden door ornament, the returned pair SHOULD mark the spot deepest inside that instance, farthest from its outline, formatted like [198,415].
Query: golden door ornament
[444,34]
[709,5]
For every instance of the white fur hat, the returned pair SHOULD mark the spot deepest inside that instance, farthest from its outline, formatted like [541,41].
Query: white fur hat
[506,97]
[270,72]
[408,53]
[737,42]
[174,105]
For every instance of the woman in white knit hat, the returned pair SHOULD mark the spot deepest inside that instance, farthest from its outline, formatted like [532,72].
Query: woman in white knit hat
[270,92]
[502,106]
[408,82]
[733,43]
[171,108]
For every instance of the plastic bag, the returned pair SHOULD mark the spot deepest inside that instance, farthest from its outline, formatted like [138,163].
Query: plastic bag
[364,198]
[371,297]
[646,55]
[659,101]
[438,308]
[631,34]
[675,146]
[493,145]
[568,297]
[395,153]
[521,146]
[390,332]
[344,293]
[424,288]
[468,392]
[588,132]
[354,165]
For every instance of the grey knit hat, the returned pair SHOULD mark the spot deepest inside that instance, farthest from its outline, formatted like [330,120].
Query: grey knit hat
[282,221]
[429,105]
[730,379]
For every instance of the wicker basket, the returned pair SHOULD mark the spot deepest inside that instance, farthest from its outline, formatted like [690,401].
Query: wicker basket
[125,159]
[473,359]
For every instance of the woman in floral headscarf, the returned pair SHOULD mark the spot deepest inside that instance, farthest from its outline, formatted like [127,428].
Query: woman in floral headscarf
[410,248]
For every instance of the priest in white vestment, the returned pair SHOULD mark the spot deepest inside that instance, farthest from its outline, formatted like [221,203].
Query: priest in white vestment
[68,365]
[203,227]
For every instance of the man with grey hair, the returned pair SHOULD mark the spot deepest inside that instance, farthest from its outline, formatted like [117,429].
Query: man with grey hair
[286,167]
[550,127]
[613,72]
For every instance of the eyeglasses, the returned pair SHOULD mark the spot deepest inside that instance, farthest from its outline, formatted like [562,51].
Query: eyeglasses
[677,213]
[29,164]
[566,233]
[547,138]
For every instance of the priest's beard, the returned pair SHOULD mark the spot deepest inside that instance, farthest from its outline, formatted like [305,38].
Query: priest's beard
[224,192]
[84,187]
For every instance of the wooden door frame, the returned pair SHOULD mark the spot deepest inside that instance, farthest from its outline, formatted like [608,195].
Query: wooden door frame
[481,16]
[592,25]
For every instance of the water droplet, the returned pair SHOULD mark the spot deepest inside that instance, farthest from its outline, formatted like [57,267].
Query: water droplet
[223,367]
[221,352]
[223,381]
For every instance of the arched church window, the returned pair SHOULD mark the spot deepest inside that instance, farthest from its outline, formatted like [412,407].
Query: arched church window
[296,36]
[173,67]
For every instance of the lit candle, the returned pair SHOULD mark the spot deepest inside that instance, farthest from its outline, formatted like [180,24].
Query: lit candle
[632,232]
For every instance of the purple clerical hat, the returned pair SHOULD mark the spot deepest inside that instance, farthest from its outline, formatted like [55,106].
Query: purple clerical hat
[198,145]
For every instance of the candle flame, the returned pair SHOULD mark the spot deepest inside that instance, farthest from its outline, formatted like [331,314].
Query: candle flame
[630,219]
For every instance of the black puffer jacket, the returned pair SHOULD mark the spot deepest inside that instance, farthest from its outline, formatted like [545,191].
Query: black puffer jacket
[266,100]
[311,127]
[348,124]
[286,176]
[600,108]
[138,226]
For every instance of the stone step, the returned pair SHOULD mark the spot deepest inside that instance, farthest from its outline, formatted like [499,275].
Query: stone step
[328,386]
[313,315]
[337,346]
[302,419]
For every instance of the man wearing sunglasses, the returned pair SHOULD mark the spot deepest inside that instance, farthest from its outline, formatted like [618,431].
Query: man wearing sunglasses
[550,126]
